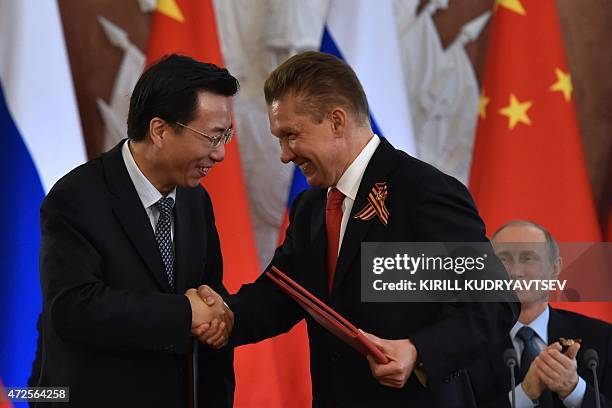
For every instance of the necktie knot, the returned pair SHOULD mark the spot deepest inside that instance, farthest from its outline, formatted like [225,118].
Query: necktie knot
[164,205]
[334,199]
[526,334]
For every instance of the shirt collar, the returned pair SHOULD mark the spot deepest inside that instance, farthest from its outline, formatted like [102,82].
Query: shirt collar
[351,178]
[147,192]
[539,325]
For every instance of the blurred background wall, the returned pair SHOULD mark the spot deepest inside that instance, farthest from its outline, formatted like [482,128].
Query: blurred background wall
[95,61]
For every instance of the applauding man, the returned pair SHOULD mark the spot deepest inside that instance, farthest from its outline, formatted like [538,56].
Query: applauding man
[547,375]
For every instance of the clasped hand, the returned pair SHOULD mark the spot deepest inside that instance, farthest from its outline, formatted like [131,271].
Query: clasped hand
[211,319]
[553,370]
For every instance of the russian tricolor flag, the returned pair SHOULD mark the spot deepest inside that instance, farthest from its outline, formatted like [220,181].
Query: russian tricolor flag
[41,141]
[364,34]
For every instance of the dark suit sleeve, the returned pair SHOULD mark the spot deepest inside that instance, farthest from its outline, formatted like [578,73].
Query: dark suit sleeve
[83,309]
[216,380]
[214,257]
[589,398]
[261,309]
[448,214]
[36,364]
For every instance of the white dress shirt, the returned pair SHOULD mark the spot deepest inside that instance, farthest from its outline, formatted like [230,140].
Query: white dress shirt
[540,327]
[351,179]
[147,192]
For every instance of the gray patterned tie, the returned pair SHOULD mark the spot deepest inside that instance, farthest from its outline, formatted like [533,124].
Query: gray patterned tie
[164,237]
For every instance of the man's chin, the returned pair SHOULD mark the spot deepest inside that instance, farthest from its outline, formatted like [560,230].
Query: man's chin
[531,297]
[313,182]
[193,182]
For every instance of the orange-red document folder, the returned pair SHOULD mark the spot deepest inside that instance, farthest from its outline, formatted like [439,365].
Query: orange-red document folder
[326,316]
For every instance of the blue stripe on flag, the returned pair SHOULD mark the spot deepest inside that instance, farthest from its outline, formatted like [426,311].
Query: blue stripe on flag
[299,184]
[20,295]
[329,46]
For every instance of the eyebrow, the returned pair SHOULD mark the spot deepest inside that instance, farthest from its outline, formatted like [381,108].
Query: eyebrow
[285,130]
[222,129]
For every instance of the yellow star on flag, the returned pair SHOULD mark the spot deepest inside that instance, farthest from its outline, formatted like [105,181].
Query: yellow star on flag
[513,5]
[171,9]
[563,84]
[482,105]
[516,112]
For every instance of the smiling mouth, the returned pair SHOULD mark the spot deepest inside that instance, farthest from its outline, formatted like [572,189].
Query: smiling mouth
[304,166]
[203,171]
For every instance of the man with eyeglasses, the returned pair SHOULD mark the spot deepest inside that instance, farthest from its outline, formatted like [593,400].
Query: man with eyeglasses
[215,141]
[124,238]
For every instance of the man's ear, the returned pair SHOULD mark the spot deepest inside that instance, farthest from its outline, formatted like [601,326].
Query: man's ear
[338,118]
[557,266]
[158,131]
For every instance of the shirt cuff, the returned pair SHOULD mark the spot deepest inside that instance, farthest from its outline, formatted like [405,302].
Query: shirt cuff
[574,399]
[522,400]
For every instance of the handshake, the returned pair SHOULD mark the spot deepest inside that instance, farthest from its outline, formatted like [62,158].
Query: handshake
[211,319]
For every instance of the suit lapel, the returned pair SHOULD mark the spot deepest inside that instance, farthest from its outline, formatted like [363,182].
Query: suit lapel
[132,216]
[555,326]
[384,159]
[558,327]
[318,240]
[189,234]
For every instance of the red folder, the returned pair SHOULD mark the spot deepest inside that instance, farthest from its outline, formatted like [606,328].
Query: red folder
[327,317]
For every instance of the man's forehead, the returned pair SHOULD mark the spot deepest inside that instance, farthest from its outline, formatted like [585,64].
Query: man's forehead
[520,233]
[283,117]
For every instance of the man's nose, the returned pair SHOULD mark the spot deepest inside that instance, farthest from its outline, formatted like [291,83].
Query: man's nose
[286,154]
[217,154]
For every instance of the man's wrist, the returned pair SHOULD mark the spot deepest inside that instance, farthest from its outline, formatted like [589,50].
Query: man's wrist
[529,392]
[571,389]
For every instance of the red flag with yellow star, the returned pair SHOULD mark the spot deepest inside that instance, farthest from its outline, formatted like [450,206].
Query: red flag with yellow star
[189,27]
[528,160]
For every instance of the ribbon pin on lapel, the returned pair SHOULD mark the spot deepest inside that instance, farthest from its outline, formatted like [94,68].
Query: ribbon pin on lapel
[376,204]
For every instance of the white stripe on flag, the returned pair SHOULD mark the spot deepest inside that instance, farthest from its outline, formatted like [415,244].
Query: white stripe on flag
[38,88]
[366,34]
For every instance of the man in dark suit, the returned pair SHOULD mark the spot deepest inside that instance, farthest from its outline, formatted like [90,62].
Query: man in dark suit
[124,237]
[318,111]
[545,374]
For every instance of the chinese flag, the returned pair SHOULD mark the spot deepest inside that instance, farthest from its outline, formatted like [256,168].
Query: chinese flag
[189,27]
[528,160]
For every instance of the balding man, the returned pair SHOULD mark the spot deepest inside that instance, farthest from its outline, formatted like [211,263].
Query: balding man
[547,377]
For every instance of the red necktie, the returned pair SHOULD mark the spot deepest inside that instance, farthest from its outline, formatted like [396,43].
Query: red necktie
[333,219]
